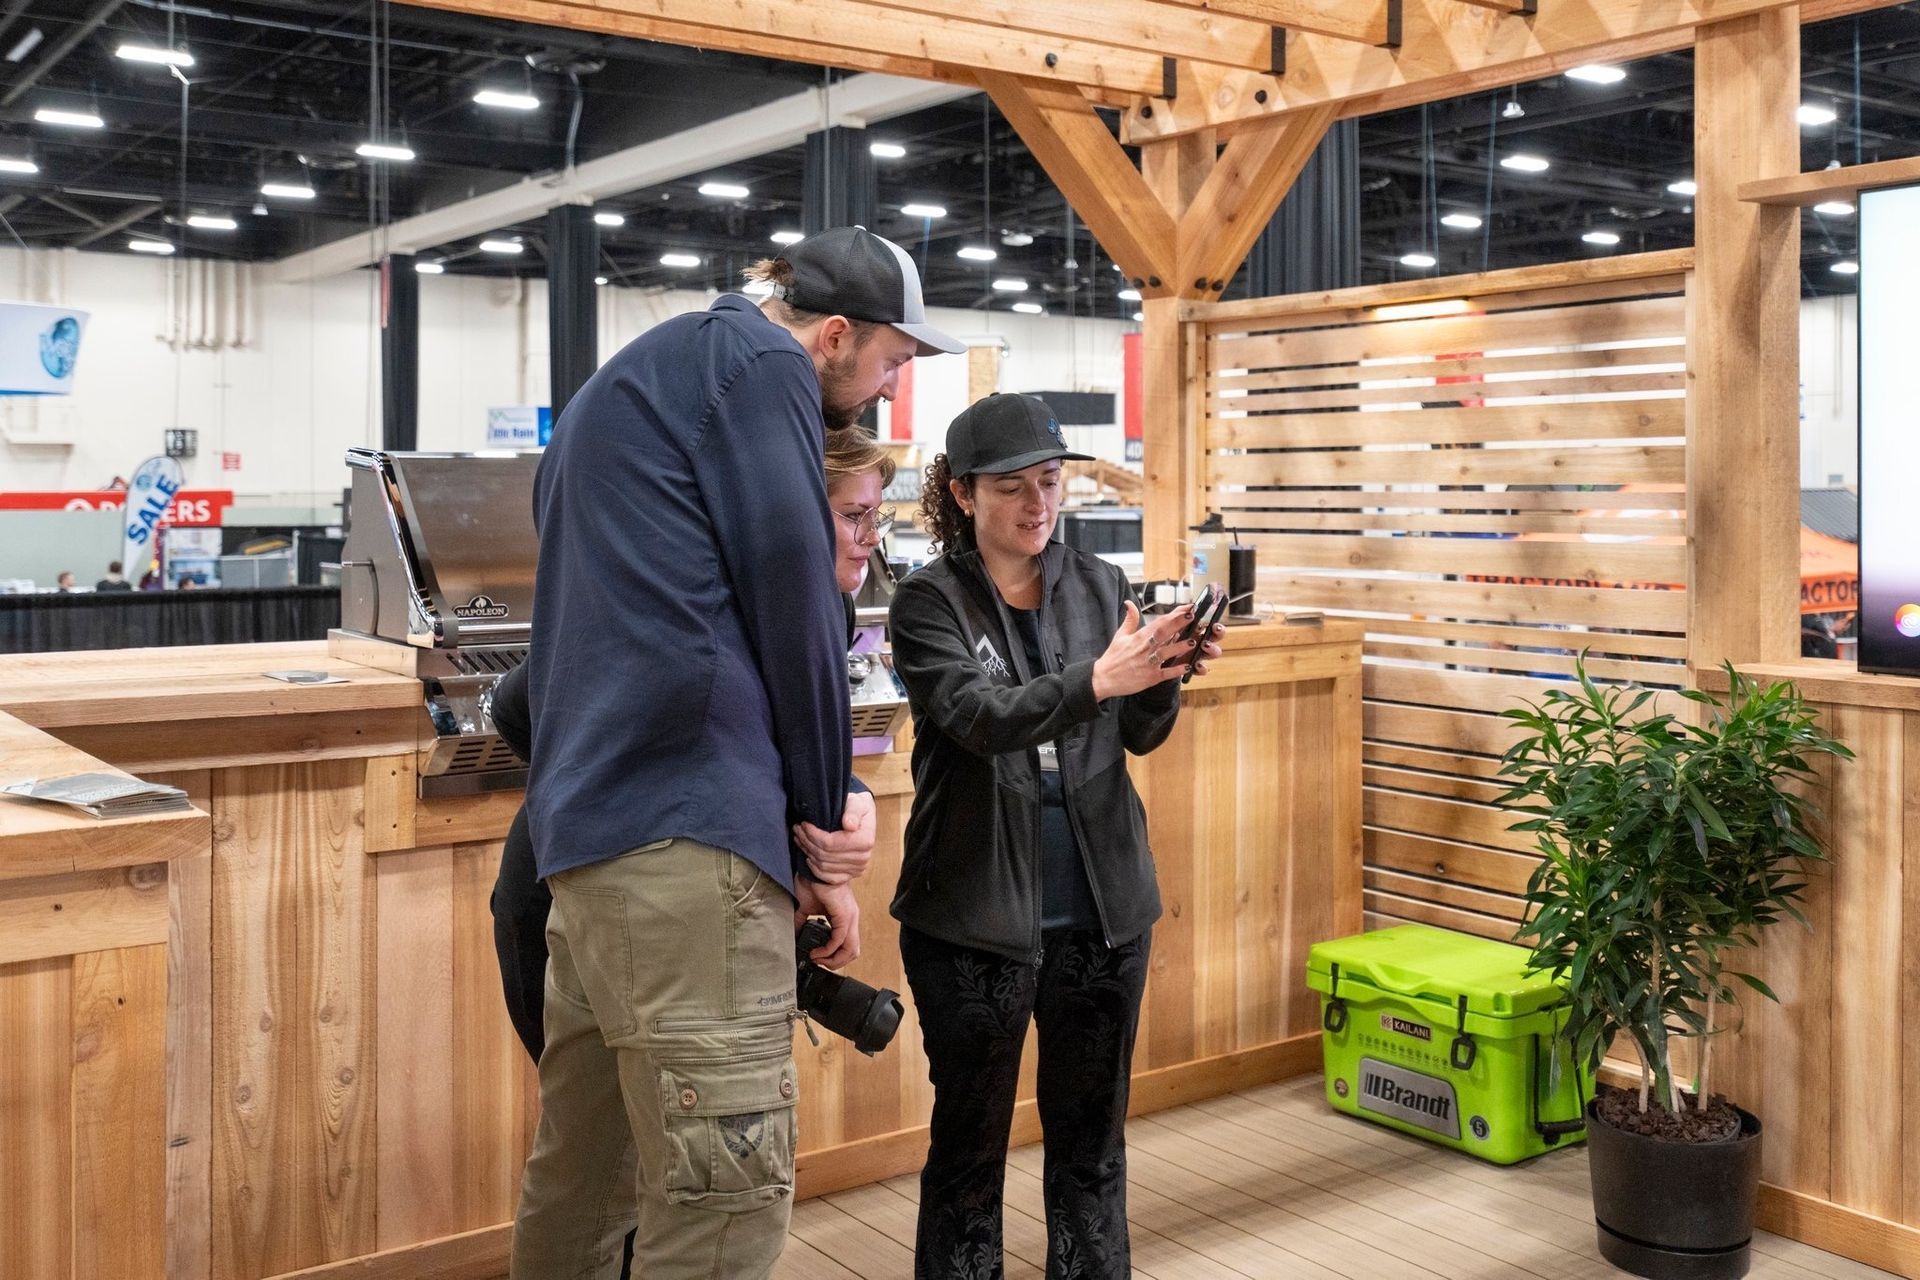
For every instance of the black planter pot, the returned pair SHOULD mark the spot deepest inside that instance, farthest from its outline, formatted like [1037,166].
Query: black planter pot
[1674,1210]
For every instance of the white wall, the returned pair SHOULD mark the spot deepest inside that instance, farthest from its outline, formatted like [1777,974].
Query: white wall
[303,383]
[1829,391]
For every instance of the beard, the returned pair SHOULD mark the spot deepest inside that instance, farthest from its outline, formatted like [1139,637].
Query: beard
[837,405]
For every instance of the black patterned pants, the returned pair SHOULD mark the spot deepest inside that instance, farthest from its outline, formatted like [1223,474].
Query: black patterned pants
[974,1007]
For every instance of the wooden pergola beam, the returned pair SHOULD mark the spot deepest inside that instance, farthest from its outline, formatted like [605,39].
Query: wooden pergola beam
[1240,196]
[1172,30]
[1807,189]
[1448,50]
[1368,22]
[1093,172]
[854,34]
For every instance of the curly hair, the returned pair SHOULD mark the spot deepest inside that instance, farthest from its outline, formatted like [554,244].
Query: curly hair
[778,272]
[940,514]
[851,452]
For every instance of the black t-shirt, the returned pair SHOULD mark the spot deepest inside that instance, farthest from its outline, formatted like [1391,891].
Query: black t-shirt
[1066,898]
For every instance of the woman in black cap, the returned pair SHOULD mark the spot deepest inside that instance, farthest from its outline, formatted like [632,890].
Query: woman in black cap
[1027,889]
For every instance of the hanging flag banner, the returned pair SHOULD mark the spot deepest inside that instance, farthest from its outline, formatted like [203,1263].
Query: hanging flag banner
[39,348]
[150,493]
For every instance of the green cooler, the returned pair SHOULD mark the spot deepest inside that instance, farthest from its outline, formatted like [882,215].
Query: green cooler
[1449,1038]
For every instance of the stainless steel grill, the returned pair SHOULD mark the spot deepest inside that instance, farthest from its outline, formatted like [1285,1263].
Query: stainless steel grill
[436,582]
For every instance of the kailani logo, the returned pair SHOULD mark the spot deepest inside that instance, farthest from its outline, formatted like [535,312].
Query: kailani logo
[990,660]
[480,607]
[60,346]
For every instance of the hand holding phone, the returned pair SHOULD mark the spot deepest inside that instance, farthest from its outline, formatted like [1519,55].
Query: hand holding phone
[1207,612]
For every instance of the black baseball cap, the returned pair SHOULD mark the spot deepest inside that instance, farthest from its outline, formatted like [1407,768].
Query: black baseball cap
[851,272]
[1003,433]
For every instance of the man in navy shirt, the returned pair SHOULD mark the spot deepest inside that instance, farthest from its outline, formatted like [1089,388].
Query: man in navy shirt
[687,681]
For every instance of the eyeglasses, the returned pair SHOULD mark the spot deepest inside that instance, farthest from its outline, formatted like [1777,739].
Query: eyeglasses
[874,523]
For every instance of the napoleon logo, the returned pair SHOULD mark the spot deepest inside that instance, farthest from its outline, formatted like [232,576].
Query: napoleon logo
[990,660]
[480,607]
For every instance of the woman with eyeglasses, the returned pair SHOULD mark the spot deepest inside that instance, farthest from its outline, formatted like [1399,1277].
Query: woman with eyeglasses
[1027,890]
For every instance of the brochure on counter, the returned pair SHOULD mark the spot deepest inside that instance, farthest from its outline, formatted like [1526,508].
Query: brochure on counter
[104,795]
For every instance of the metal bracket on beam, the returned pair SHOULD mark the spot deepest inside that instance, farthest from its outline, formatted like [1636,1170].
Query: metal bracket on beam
[1393,24]
[1169,79]
[1277,59]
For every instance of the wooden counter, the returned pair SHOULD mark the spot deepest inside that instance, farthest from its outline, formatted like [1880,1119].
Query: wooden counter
[87,1106]
[362,1105]
[1830,1070]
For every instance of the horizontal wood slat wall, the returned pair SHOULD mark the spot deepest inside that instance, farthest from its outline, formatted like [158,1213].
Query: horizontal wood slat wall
[1489,492]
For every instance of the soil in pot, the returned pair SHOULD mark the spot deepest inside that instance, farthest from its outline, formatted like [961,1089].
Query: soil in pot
[1718,1123]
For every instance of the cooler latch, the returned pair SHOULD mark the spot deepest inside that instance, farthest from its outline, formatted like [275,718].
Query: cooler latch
[1464,1050]
[1334,1016]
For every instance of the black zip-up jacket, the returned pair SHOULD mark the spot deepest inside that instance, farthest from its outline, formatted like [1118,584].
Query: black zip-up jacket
[971,872]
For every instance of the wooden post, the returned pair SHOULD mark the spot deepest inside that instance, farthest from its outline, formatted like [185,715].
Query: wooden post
[1176,170]
[1743,431]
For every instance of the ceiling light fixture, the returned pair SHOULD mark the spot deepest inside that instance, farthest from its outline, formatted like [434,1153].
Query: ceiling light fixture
[148,53]
[599,279]
[1421,260]
[1597,73]
[1602,237]
[287,190]
[383,151]
[212,222]
[1813,116]
[73,119]
[1029,308]
[1129,295]
[16,164]
[1461,221]
[679,260]
[1010,286]
[977,253]
[502,246]
[1015,239]
[507,99]
[1834,208]
[1684,187]
[1525,164]
[161,247]
[430,268]
[1847,267]
[1138,316]
[610,219]
[923,210]
[788,237]
[887,150]
[724,190]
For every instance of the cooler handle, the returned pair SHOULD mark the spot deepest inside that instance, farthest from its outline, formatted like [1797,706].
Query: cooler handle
[1554,1130]
[1334,1017]
[1464,1050]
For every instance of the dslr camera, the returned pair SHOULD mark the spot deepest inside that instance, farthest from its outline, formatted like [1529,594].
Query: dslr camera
[845,1006]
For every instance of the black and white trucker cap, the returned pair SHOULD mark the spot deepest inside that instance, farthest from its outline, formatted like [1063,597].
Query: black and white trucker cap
[851,272]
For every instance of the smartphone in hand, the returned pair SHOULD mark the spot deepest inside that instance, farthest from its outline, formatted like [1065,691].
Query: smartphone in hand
[1207,612]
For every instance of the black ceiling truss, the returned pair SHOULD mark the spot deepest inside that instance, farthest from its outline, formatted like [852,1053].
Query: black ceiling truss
[280,92]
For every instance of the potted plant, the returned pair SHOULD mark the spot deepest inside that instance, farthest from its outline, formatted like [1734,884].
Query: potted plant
[1668,847]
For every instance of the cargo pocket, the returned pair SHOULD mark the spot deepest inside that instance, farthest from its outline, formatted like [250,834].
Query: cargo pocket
[730,1125]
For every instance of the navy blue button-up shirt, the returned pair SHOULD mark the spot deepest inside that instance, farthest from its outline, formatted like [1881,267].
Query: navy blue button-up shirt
[688,675]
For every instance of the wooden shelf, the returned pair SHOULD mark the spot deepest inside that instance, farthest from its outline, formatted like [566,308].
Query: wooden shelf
[1807,189]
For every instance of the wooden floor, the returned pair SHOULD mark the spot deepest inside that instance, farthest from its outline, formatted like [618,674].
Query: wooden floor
[1271,1184]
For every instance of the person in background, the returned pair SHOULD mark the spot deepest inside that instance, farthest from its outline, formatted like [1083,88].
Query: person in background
[1027,890]
[690,711]
[114,581]
[65,582]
